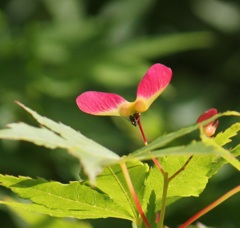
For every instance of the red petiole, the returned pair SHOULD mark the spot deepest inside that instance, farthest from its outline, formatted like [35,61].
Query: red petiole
[211,206]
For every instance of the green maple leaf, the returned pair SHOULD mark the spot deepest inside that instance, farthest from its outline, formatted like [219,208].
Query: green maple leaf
[52,135]
[110,197]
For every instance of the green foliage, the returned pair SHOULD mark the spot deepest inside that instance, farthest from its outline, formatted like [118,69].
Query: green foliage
[91,154]
[51,51]
[59,200]
[110,196]
[224,138]
[37,220]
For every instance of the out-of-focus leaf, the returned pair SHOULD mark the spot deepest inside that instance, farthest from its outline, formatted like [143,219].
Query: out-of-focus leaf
[163,45]
[37,220]
[115,60]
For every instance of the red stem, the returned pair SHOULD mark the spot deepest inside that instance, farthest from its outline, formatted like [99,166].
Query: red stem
[159,217]
[137,115]
[211,206]
[181,169]
[138,119]
[133,193]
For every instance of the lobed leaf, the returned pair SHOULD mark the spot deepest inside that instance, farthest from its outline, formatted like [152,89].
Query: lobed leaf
[92,155]
[224,138]
[190,182]
[112,182]
[143,153]
[109,198]
[194,148]
[63,200]
[39,136]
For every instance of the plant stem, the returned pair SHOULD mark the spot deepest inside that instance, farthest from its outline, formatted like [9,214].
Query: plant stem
[133,193]
[164,199]
[181,169]
[138,119]
[211,206]
[165,175]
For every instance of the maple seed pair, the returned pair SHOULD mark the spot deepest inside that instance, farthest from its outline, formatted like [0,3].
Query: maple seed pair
[149,88]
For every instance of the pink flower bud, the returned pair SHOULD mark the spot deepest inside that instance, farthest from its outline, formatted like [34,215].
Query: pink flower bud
[210,128]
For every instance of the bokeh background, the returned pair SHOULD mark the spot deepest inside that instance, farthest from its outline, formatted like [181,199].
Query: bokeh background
[52,50]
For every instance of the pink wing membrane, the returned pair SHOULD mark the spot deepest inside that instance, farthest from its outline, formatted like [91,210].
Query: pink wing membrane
[154,82]
[100,103]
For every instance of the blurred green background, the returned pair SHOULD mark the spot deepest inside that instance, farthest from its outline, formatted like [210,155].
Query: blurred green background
[53,50]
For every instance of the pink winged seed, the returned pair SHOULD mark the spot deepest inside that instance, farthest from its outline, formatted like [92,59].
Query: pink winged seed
[100,103]
[154,81]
